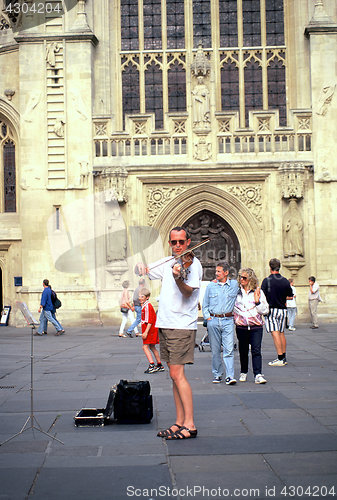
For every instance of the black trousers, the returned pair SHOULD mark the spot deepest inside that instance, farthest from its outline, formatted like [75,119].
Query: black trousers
[252,337]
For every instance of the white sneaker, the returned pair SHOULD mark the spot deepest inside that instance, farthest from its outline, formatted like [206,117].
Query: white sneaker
[243,377]
[230,381]
[278,362]
[292,329]
[259,379]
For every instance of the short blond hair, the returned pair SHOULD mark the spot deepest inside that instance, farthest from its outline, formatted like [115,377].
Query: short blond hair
[145,292]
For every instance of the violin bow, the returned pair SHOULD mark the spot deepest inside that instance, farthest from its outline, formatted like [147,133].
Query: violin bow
[185,252]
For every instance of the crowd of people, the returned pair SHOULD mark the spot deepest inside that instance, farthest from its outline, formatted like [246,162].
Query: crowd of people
[229,306]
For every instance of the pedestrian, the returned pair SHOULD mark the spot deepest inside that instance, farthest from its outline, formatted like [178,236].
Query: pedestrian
[177,323]
[126,310]
[314,299]
[250,306]
[149,332]
[277,288]
[53,312]
[137,307]
[46,310]
[217,309]
[291,307]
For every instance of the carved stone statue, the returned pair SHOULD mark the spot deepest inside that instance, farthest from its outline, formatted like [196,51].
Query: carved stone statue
[51,51]
[293,231]
[58,128]
[325,98]
[201,105]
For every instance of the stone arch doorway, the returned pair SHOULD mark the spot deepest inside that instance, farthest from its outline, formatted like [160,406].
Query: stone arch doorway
[224,244]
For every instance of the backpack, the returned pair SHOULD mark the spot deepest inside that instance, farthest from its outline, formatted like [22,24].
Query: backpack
[56,302]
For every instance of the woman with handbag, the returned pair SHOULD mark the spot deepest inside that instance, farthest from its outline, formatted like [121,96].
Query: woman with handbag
[250,306]
[126,310]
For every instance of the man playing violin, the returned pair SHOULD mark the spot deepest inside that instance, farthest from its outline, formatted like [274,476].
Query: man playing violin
[177,324]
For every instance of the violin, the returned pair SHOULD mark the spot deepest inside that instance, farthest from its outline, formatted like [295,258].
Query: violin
[185,260]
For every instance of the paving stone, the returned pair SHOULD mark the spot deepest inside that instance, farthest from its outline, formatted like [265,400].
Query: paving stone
[249,435]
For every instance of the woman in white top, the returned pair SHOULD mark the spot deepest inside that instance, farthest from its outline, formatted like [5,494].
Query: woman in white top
[291,307]
[126,309]
[250,306]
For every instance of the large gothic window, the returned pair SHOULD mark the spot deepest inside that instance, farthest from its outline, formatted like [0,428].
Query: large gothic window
[244,40]
[8,174]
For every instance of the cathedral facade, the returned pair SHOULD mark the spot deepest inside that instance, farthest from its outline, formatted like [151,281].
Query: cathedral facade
[120,119]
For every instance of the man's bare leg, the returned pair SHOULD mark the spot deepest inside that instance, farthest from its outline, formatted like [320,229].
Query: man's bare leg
[182,394]
[279,342]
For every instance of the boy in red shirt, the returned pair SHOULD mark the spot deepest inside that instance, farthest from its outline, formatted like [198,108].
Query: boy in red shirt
[149,332]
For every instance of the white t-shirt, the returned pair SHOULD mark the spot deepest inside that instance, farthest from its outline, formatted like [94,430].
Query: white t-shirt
[175,310]
[315,295]
[292,302]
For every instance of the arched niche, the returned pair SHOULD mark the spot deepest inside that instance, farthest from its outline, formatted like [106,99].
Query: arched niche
[223,243]
[226,206]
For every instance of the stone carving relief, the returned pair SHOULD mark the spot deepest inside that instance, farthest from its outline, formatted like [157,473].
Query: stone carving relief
[33,101]
[201,105]
[250,195]
[112,181]
[78,106]
[58,128]
[200,65]
[51,50]
[223,244]
[293,231]
[9,93]
[292,188]
[292,180]
[325,98]
[158,197]
[101,128]
[202,150]
[84,174]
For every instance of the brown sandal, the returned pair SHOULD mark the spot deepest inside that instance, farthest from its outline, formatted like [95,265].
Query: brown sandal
[169,431]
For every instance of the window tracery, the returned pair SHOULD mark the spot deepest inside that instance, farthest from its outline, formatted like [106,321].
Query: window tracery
[158,37]
[8,173]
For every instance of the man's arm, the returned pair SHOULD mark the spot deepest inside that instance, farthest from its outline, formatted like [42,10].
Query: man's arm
[185,289]
[205,305]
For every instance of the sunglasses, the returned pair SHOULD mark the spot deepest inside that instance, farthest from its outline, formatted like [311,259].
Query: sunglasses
[243,277]
[175,242]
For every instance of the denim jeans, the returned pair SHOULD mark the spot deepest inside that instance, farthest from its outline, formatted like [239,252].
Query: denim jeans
[252,337]
[291,311]
[45,321]
[48,316]
[221,333]
[138,311]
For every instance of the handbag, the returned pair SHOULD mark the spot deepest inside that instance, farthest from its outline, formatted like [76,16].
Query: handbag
[124,309]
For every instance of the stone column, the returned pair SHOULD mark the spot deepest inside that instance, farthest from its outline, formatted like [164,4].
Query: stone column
[322,34]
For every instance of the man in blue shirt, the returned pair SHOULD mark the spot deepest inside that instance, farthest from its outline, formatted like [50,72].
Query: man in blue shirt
[217,309]
[46,311]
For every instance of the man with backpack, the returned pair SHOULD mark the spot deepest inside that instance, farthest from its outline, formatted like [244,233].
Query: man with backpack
[47,310]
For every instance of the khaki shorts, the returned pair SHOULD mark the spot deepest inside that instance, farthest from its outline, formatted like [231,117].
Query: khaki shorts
[177,346]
